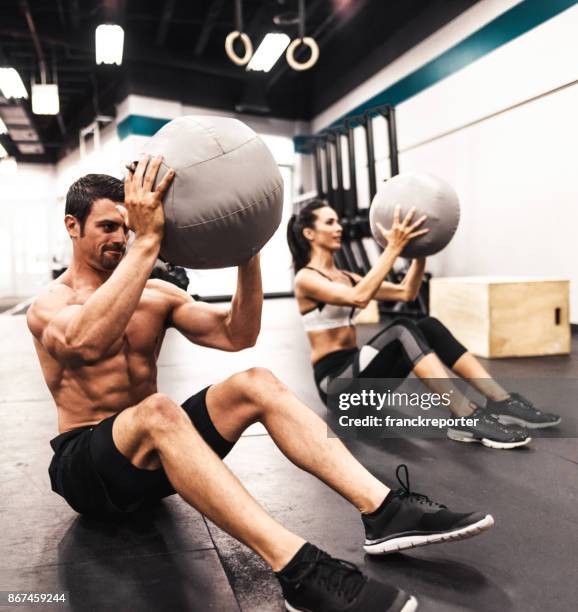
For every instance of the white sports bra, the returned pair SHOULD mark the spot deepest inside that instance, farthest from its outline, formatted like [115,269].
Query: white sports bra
[328,316]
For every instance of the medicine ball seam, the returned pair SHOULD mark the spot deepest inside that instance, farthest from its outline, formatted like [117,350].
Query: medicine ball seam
[235,212]
[204,161]
[211,132]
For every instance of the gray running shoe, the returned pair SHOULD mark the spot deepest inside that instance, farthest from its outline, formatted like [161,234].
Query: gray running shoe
[517,410]
[490,432]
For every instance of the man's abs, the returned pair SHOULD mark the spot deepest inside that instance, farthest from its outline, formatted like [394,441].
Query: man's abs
[86,395]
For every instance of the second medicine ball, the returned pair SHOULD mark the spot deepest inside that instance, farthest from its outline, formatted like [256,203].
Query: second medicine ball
[226,198]
[431,196]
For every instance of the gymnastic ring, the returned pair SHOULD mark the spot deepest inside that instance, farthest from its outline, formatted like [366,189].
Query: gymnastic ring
[313,47]
[230,40]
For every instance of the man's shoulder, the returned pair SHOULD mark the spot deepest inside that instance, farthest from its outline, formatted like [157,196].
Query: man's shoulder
[54,292]
[48,302]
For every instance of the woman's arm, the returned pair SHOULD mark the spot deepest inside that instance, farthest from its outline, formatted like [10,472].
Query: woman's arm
[407,290]
[312,285]
[414,278]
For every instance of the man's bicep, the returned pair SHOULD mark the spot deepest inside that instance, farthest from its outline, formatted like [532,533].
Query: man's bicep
[201,322]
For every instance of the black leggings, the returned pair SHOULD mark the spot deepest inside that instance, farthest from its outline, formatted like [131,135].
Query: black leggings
[391,353]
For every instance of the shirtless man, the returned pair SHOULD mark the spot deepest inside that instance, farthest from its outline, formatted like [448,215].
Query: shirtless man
[98,331]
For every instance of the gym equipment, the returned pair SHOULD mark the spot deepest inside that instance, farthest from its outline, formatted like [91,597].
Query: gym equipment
[320,148]
[307,41]
[505,316]
[352,247]
[226,198]
[355,222]
[388,113]
[238,33]
[431,196]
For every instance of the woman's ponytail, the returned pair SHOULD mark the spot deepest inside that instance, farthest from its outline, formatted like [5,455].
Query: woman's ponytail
[299,245]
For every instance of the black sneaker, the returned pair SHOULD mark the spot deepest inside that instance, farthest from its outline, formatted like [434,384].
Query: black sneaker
[406,520]
[517,410]
[315,582]
[489,432]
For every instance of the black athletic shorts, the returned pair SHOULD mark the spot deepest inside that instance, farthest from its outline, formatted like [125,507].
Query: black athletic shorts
[96,479]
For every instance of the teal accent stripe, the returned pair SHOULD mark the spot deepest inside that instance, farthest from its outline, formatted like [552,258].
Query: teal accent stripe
[506,27]
[139,125]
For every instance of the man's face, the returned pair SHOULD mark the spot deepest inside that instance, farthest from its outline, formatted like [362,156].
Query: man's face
[103,240]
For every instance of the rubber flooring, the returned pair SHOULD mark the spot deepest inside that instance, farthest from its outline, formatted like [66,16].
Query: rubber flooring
[171,558]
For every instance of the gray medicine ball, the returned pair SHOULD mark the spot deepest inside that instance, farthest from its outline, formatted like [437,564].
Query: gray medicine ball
[226,198]
[431,196]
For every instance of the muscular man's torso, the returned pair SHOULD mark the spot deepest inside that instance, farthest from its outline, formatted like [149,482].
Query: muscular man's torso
[86,394]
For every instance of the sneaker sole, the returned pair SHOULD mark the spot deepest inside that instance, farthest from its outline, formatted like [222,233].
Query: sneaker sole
[459,436]
[512,420]
[405,542]
[409,606]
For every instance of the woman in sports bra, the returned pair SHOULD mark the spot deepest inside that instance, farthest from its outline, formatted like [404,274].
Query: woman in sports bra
[328,299]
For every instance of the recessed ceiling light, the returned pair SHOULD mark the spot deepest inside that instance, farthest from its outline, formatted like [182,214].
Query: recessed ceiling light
[269,51]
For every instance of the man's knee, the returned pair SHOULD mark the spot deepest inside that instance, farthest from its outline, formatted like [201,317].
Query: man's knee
[160,412]
[258,378]
[258,384]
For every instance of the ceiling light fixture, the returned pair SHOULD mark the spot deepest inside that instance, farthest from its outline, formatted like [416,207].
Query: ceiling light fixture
[109,39]
[11,84]
[269,51]
[45,99]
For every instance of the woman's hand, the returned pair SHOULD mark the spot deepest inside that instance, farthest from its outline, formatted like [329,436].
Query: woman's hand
[402,232]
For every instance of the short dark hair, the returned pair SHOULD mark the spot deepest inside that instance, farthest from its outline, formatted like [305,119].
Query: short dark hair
[83,192]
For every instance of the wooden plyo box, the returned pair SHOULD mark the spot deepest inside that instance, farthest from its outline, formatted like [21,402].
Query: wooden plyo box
[504,316]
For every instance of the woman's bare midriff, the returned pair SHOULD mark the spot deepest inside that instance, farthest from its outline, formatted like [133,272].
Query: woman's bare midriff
[331,340]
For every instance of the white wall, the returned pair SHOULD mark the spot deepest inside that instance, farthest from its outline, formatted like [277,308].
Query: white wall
[499,133]
[27,204]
